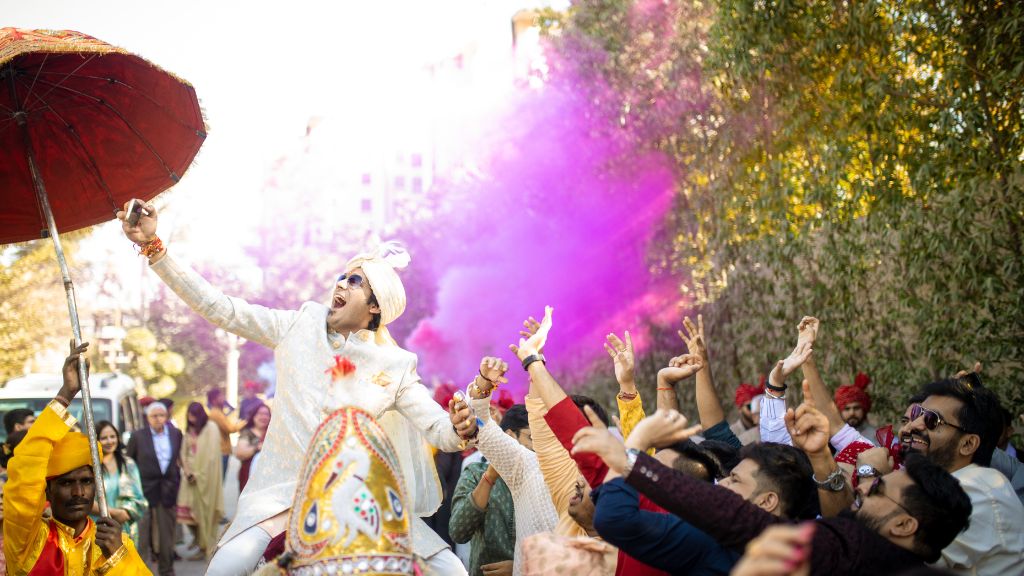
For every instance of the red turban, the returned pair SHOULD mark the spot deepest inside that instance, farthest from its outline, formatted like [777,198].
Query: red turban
[503,400]
[443,393]
[745,393]
[857,392]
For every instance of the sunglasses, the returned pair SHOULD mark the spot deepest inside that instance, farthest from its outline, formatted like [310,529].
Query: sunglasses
[354,281]
[876,490]
[932,419]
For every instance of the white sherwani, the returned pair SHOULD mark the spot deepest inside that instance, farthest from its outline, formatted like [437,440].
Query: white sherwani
[385,379]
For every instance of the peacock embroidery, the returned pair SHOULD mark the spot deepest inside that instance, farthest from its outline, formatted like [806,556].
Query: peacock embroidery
[355,509]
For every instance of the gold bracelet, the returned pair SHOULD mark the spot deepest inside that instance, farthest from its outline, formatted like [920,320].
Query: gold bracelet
[113,560]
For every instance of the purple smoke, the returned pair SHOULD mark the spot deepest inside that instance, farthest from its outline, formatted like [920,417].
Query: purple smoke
[561,212]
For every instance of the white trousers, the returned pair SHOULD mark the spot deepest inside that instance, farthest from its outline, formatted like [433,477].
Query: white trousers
[445,563]
[241,554]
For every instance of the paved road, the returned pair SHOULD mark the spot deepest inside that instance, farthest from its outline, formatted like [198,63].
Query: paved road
[189,568]
[198,568]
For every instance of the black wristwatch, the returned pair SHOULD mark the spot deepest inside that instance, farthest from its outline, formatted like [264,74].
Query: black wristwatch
[531,359]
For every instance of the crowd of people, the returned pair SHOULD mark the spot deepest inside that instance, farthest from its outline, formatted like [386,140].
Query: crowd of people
[804,488]
[341,480]
[164,489]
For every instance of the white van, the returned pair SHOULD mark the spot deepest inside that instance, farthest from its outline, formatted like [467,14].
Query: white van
[113,398]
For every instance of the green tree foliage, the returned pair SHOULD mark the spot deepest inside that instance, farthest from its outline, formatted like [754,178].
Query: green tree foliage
[33,308]
[152,362]
[858,161]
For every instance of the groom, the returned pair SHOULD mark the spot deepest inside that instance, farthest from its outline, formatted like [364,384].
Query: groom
[327,357]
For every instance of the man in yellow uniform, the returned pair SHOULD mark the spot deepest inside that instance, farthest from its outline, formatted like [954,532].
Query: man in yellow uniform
[52,464]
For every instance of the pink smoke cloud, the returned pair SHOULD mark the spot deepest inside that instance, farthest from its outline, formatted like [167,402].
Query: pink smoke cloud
[562,215]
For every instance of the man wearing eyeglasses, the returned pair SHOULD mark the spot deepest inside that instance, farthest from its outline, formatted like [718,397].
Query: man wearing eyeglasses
[957,426]
[327,356]
[896,523]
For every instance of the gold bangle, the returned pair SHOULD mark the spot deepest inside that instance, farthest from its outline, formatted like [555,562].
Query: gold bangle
[113,560]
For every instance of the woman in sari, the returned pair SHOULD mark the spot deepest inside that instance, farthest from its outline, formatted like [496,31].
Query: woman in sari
[250,442]
[121,482]
[201,496]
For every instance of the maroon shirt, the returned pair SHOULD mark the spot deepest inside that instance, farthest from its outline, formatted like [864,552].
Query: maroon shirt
[840,546]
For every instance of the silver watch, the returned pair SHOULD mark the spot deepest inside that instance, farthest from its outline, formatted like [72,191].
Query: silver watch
[631,455]
[867,471]
[834,483]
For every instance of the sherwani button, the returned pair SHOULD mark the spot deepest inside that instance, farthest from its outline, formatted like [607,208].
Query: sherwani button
[336,344]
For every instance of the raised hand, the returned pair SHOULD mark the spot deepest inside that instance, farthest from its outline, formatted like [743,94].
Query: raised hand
[976,369]
[72,382]
[596,439]
[145,229]
[807,425]
[623,359]
[680,368]
[788,365]
[661,429]
[694,339]
[461,416]
[530,327]
[807,330]
[534,342]
[492,374]
[781,550]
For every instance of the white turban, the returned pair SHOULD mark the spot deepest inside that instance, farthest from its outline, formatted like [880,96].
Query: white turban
[380,267]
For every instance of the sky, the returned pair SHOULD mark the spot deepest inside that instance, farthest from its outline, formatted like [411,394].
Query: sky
[263,69]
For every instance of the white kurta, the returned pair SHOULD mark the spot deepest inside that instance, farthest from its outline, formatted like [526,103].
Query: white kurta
[993,544]
[519,468]
[385,379]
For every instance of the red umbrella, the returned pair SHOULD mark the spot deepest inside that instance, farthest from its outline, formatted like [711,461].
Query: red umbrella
[84,127]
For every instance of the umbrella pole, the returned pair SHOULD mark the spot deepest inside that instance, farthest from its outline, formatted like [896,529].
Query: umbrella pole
[69,290]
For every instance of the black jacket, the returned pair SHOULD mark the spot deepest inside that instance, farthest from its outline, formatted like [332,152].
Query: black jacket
[160,489]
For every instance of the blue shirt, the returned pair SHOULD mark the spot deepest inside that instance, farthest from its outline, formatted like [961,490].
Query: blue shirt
[662,541]
[723,433]
[162,445]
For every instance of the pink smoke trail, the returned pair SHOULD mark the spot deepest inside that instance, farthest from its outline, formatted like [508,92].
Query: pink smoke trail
[562,215]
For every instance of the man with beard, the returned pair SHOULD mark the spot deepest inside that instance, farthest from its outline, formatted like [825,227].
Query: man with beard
[53,464]
[854,404]
[896,522]
[957,426]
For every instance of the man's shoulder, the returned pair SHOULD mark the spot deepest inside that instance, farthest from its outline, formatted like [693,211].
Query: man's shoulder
[396,356]
[987,486]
